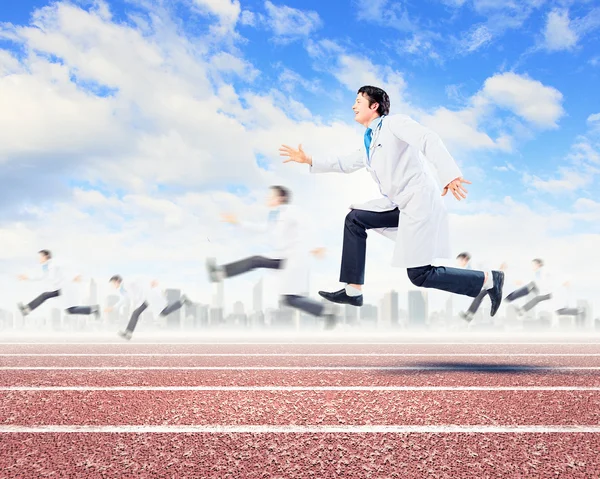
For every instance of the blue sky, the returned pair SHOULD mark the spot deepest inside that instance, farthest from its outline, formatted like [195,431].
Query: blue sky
[157,110]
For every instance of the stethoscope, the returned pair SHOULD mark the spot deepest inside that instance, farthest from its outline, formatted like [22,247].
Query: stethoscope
[373,145]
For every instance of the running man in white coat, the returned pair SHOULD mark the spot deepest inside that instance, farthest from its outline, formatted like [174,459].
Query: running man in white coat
[288,228]
[54,285]
[404,159]
[142,294]
[539,285]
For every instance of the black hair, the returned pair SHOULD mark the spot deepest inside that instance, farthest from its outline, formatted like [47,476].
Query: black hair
[376,95]
[116,277]
[46,253]
[464,255]
[538,261]
[283,193]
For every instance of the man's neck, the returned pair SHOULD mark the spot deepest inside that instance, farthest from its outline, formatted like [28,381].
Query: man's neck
[367,123]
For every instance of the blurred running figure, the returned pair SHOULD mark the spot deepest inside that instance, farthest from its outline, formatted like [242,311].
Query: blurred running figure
[464,261]
[54,284]
[142,294]
[539,286]
[404,159]
[288,228]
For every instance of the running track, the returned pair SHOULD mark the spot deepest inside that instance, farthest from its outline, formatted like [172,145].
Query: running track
[331,408]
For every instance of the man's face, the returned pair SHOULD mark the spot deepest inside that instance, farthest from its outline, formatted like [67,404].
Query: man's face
[535,265]
[463,262]
[362,112]
[115,284]
[273,199]
[42,258]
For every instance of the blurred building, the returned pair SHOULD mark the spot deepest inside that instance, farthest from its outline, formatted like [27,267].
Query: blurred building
[173,320]
[417,308]
[257,296]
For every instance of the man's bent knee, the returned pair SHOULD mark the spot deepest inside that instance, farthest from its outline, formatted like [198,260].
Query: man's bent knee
[418,275]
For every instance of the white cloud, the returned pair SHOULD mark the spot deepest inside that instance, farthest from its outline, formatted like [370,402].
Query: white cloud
[568,181]
[224,62]
[475,39]
[227,11]
[386,12]
[528,98]
[288,22]
[420,45]
[594,122]
[558,34]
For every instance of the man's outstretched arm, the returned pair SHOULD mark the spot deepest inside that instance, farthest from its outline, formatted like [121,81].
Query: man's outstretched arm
[339,164]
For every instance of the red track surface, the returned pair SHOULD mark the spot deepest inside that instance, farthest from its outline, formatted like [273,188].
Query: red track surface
[271,454]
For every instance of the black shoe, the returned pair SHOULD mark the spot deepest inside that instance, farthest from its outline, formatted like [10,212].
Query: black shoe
[125,334]
[213,270]
[96,312]
[24,309]
[341,297]
[330,321]
[496,292]
[185,300]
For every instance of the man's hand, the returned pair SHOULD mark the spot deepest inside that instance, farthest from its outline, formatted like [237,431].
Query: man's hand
[153,283]
[294,155]
[77,279]
[456,187]
[22,277]
[318,252]
[503,267]
[108,309]
[229,218]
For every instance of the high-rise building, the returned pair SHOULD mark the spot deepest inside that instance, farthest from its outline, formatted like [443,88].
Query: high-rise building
[585,318]
[417,308]
[389,309]
[449,309]
[173,320]
[55,318]
[351,314]
[93,292]
[257,296]
[368,314]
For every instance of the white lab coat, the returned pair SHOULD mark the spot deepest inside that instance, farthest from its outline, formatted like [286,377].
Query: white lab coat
[406,159]
[50,280]
[543,280]
[59,278]
[137,290]
[288,236]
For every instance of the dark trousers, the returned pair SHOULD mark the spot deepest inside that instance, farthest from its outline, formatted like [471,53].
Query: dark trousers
[302,303]
[538,299]
[454,280]
[135,316]
[37,302]
[248,264]
[519,293]
[568,311]
[80,309]
[477,302]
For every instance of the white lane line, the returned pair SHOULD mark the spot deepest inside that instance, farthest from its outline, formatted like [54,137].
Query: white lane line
[457,367]
[309,429]
[311,355]
[288,343]
[300,388]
